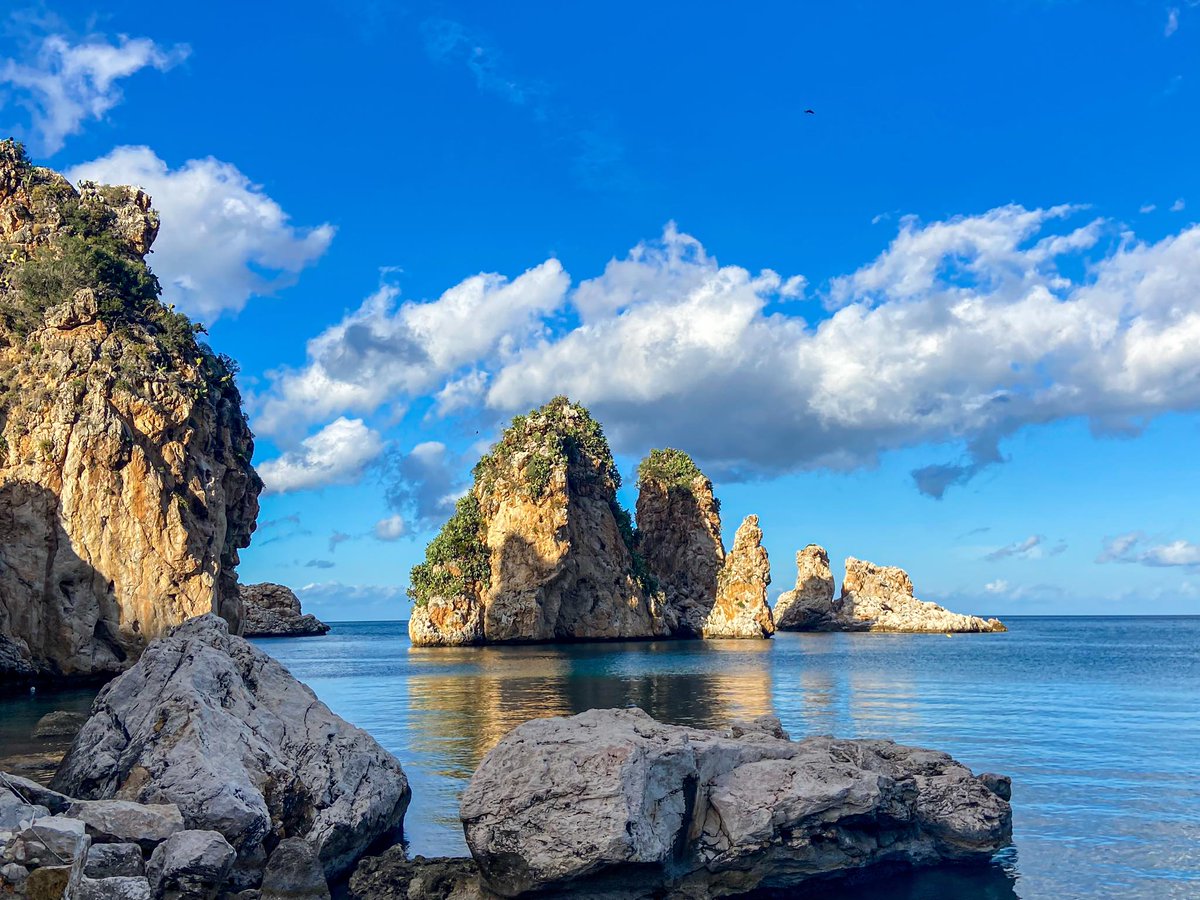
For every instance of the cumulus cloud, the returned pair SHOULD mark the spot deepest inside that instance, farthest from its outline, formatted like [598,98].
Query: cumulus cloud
[999,586]
[1136,547]
[387,351]
[222,240]
[66,84]
[426,482]
[337,454]
[962,331]
[391,529]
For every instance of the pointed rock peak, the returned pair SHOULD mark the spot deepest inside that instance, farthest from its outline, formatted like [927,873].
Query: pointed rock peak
[808,606]
[741,609]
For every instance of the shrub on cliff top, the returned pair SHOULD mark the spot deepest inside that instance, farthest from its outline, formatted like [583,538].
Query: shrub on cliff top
[669,467]
[456,560]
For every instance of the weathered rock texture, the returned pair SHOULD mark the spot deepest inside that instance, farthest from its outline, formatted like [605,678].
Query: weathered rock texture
[880,598]
[539,550]
[808,606]
[207,721]
[740,609]
[272,610]
[125,481]
[679,535]
[613,800]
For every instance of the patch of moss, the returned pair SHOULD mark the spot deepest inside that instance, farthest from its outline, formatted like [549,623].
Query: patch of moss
[456,560]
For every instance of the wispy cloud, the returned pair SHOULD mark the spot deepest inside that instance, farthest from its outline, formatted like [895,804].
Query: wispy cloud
[1148,208]
[1178,205]
[1030,548]
[1172,25]
[319,564]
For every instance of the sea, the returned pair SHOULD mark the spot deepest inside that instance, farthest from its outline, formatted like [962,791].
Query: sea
[1097,721]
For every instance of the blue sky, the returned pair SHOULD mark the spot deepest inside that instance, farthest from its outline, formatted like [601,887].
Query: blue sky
[951,321]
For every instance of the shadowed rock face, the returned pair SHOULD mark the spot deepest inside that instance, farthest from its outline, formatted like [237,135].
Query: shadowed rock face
[880,598]
[207,721]
[272,610]
[613,801]
[740,609]
[809,606]
[126,488]
[539,550]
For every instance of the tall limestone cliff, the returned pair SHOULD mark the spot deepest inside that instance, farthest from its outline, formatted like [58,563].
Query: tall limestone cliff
[126,488]
[539,549]
[706,592]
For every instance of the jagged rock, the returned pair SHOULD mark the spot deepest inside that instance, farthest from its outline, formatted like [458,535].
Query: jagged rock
[125,481]
[880,598]
[207,721]
[190,865]
[393,876]
[121,821]
[294,873]
[272,610]
[53,841]
[679,535]
[539,545]
[32,792]
[14,811]
[613,800]
[114,861]
[809,606]
[740,609]
[115,887]
[59,724]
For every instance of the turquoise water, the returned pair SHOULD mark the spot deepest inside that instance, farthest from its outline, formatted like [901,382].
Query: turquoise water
[1096,720]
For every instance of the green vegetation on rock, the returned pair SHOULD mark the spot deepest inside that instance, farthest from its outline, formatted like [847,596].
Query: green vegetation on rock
[456,560]
[671,468]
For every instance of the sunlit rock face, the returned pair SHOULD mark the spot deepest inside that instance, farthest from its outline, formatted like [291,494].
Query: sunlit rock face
[740,609]
[126,488]
[808,606]
[539,549]
[880,598]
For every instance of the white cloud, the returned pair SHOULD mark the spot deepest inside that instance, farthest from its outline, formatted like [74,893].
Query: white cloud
[222,238]
[1178,205]
[66,84]
[383,352]
[1172,21]
[1147,208]
[999,586]
[1134,547]
[391,529]
[337,454]
[962,331]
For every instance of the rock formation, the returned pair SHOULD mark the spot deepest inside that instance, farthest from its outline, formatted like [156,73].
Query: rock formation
[539,549]
[808,606]
[611,800]
[679,535]
[272,610]
[880,598]
[740,609]
[706,593]
[210,723]
[125,481]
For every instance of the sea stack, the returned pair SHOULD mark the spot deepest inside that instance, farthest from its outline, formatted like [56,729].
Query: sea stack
[539,549]
[272,610]
[126,488]
[880,598]
[808,606]
[740,609]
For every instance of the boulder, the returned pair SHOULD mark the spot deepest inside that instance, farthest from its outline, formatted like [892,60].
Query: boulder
[611,800]
[53,841]
[272,610]
[51,883]
[116,887]
[808,606]
[190,865]
[212,724]
[122,821]
[880,598]
[114,861]
[14,811]
[740,609]
[294,873]
[393,876]
[59,724]
[31,792]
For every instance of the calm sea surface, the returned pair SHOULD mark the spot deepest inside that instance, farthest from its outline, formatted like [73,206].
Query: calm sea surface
[1096,720]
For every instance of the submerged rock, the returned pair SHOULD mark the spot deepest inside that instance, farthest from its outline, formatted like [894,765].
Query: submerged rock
[880,598]
[741,609]
[126,488]
[393,876]
[207,721]
[611,800]
[808,606]
[539,549]
[59,724]
[272,610]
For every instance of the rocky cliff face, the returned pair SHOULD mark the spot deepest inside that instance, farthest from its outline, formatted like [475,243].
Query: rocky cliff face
[539,550]
[740,609]
[126,488]
[679,534]
[880,598]
[808,606]
[272,610]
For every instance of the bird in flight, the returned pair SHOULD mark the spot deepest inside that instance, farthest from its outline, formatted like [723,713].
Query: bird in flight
[810,112]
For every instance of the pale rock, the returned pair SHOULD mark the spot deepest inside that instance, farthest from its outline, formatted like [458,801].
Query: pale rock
[741,609]
[209,722]
[454,621]
[190,865]
[272,610]
[808,606]
[880,598]
[14,811]
[122,821]
[52,841]
[32,792]
[613,803]
[115,887]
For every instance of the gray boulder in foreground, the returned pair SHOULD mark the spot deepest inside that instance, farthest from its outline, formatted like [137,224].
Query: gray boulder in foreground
[209,722]
[613,801]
